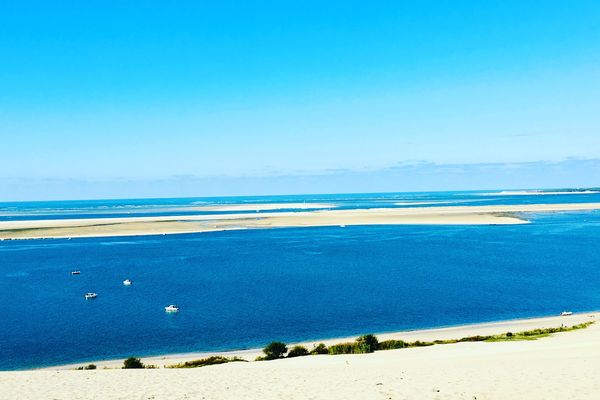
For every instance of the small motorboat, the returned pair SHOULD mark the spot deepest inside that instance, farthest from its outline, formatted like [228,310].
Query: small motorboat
[171,308]
[90,295]
[127,282]
[566,313]
[75,272]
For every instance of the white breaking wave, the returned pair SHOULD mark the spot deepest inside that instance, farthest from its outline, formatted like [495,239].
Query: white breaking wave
[422,203]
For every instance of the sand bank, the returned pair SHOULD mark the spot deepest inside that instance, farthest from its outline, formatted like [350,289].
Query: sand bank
[452,215]
[563,366]
[262,207]
[536,193]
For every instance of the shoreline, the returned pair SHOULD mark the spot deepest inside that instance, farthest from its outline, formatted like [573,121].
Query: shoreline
[163,225]
[561,365]
[425,334]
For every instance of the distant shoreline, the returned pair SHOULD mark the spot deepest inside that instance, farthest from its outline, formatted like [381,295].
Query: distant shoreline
[162,225]
[261,207]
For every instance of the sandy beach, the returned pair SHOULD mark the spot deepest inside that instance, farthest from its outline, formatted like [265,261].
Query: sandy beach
[451,215]
[564,365]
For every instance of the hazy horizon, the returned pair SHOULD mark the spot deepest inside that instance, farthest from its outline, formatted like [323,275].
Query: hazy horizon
[199,99]
[398,179]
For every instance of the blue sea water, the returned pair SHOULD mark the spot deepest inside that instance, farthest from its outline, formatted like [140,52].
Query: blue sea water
[242,289]
[186,206]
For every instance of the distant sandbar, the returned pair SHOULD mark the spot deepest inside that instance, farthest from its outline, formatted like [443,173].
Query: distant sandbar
[262,207]
[156,225]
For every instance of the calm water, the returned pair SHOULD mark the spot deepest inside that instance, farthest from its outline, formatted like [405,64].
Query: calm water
[245,288]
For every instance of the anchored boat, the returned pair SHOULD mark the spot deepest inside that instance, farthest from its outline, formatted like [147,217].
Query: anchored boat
[566,313]
[171,308]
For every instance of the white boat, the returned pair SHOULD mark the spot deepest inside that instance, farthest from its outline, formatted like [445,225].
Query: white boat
[171,308]
[566,313]
[75,272]
[90,296]
[127,282]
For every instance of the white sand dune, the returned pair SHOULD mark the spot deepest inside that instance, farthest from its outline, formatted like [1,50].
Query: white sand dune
[562,366]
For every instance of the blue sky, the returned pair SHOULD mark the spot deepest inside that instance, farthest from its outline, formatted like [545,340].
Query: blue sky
[211,98]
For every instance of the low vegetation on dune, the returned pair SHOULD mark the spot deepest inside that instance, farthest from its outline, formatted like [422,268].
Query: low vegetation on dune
[136,363]
[391,345]
[319,349]
[362,345]
[536,333]
[87,367]
[369,343]
[273,351]
[203,362]
[133,363]
[298,351]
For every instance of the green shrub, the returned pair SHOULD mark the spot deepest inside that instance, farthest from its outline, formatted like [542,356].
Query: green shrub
[477,338]
[132,363]
[348,348]
[418,343]
[368,343]
[342,348]
[274,350]
[391,344]
[89,366]
[298,351]
[203,362]
[319,349]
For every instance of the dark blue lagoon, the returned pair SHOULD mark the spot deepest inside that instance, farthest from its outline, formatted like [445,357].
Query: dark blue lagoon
[241,289]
